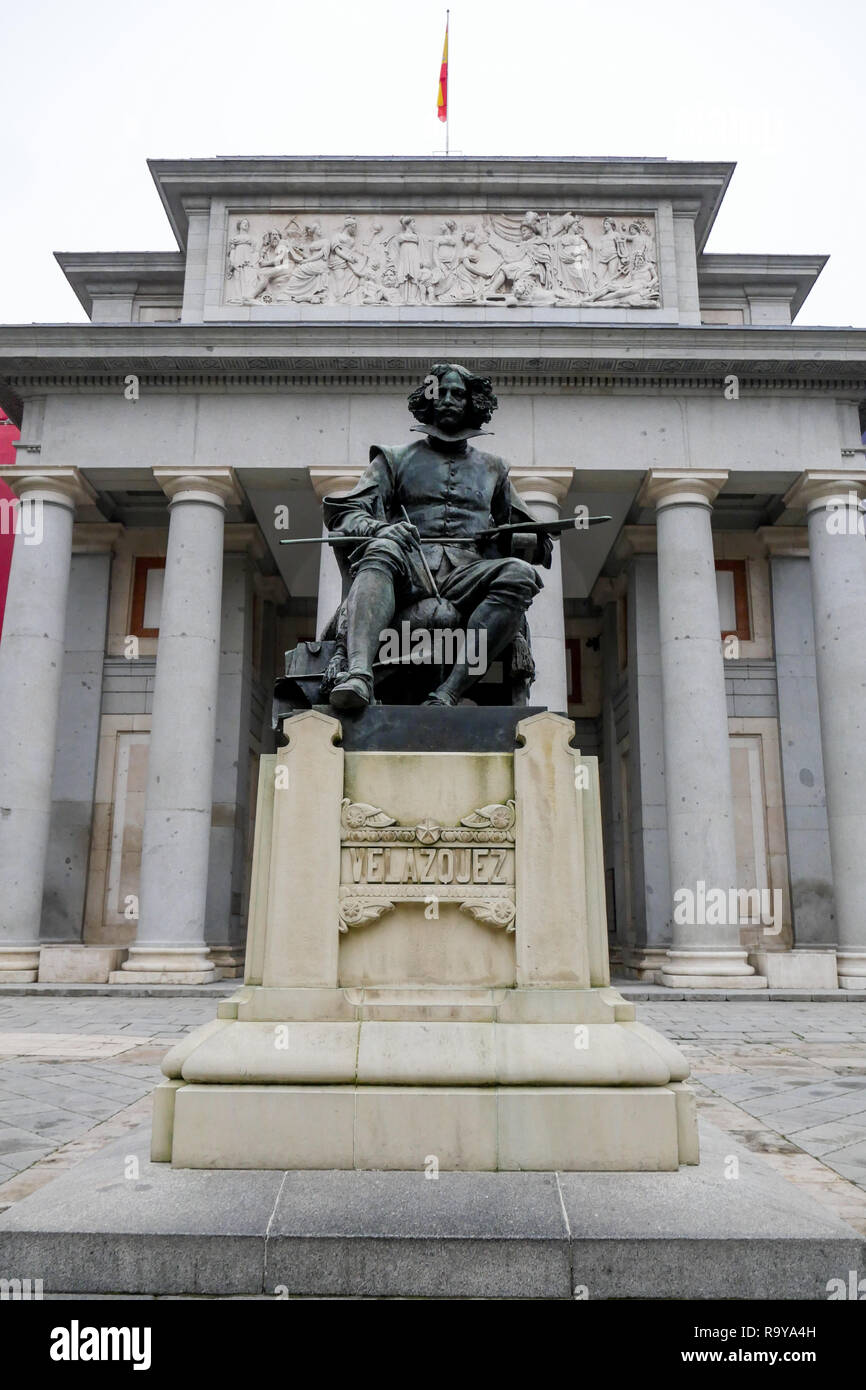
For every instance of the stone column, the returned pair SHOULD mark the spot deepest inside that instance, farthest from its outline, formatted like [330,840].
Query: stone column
[239,675]
[837,554]
[329,482]
[31,666]
[74,781]
[170,943]
[705,953]
[543,492]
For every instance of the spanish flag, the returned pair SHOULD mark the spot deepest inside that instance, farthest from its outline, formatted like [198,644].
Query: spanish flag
[442,98]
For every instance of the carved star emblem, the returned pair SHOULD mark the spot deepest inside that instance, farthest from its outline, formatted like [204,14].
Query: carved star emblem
[428,831]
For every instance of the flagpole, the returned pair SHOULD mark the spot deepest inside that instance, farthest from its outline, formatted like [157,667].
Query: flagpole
[448,93]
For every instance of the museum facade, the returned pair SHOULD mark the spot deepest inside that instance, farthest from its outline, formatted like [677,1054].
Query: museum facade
[708,641]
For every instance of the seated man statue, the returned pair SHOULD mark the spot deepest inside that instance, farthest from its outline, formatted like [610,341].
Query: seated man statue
[441,489]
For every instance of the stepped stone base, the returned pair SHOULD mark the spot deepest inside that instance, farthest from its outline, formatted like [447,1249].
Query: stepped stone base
[651,1235]
[389,1079]
[507,1129]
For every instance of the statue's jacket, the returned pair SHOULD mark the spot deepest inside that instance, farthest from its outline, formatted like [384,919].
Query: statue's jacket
[444,494]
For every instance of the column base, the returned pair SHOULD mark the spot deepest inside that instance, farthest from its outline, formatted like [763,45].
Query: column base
[852,969]
[644,963]
[797,969]
[722,969]
[229,960]
[19,965]
[166,965]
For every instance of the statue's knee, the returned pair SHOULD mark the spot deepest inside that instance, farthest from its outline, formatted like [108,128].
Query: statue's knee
[517,581]
[375,550]
[383,556]
[524,571]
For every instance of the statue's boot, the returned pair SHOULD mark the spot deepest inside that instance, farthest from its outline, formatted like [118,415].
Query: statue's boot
[501,623]
[354,691]
[370,608]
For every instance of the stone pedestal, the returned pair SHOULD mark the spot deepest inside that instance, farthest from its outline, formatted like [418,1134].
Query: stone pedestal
[170,945]
[31,667]
[426,976]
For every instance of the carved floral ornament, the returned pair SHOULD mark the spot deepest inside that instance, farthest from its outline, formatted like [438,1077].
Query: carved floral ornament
[527,259]
[484,893]
[493,824]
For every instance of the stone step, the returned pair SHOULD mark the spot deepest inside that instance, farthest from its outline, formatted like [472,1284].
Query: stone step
[111,1227]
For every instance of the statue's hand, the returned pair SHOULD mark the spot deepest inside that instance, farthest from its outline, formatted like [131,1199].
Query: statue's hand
[524,545]
[403,532]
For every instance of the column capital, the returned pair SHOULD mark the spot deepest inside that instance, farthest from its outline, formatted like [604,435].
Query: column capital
[203,484]
[668,487]
[96,537]
[634,540]
[247,536]
[328,480]
[67,486]
[784,540]
[545,484]
[820,486]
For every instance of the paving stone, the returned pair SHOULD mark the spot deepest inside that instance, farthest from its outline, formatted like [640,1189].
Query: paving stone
[830,1138]
[14,1140]
[24,1158]
[852,1169]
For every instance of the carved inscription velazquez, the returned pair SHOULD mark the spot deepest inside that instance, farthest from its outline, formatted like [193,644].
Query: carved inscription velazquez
[471,864]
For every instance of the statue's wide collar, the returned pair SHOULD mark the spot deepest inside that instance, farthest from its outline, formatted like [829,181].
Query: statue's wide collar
[436,433]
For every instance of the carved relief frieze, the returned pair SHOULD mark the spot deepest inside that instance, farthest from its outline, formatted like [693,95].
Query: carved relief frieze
[524,259]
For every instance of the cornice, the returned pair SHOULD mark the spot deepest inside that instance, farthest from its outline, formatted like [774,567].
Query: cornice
[56,357]
[481,183]
[39,360]
[788,276]
[143,271]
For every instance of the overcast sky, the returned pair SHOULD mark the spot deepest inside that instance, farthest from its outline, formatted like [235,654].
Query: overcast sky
[92,88]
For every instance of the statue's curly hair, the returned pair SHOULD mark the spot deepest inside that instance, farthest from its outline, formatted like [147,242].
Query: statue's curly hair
[480,400]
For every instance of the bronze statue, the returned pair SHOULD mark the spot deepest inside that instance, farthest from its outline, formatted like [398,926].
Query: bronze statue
[433,541]
[422,513]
